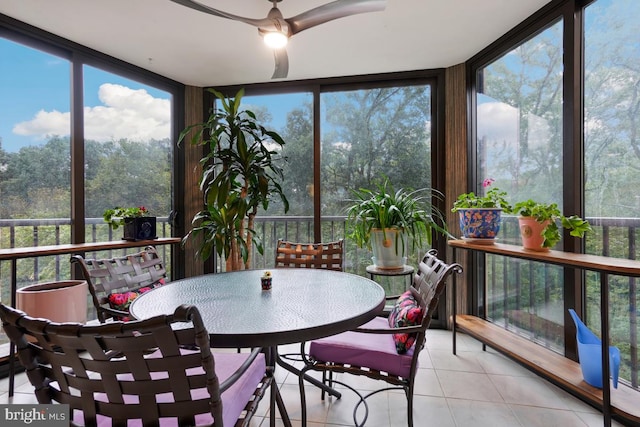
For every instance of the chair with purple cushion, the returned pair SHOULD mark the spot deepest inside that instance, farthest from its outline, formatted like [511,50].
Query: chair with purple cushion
[107,376]
[384,349]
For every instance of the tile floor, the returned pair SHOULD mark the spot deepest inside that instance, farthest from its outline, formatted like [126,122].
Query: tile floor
[474,388]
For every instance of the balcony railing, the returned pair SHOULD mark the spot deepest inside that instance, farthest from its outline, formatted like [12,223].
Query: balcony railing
[523,296]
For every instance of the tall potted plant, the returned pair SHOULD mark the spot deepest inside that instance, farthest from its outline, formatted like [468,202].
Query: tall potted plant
[240,173]
[386,221]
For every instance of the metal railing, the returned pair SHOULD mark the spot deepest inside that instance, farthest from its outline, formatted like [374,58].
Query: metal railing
[523,296]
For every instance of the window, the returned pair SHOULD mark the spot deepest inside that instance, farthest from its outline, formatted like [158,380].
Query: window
[128,150]
[367,135]
[519,144]
[612,143]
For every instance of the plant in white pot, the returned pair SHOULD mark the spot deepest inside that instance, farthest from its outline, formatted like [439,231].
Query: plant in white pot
[539,224]
[388,221]
[480,216]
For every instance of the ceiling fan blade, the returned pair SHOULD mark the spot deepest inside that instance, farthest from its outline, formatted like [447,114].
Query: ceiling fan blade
[282,63]
[206,9]
[334,10]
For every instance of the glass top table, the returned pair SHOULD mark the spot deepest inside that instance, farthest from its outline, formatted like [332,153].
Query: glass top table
[303,304]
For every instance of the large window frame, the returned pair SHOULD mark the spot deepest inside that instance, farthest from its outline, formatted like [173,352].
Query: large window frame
[79,56]
[571,14]
[434,78]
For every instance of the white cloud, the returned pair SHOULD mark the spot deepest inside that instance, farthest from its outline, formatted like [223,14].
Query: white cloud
[125,113]
[498,121]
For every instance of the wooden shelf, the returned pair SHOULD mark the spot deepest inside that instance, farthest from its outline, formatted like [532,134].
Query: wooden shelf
[563,372]
[620,266]
[622,403]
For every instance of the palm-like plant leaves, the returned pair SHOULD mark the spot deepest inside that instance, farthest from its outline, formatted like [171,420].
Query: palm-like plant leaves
[240,173]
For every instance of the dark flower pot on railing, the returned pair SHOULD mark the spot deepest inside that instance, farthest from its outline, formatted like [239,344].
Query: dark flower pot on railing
[137,225]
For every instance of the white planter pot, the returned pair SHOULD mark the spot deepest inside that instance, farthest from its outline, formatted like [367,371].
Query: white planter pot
[389,249]
[64,301]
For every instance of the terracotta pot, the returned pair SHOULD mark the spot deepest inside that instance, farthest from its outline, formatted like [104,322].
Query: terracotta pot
[531,232]
[479,223]
[64,301]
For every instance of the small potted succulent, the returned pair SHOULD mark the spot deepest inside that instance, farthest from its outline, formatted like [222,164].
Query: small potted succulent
[539,224]
[137,223]
[479,216]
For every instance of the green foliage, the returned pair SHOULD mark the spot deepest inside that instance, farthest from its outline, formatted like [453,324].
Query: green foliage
[115,217]
[408,211]
[495,198]
[240,173]
[550,212]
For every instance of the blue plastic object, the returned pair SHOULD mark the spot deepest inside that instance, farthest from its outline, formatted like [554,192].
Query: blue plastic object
[590,354]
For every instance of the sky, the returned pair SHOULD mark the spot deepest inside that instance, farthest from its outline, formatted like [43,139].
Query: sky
[35,104]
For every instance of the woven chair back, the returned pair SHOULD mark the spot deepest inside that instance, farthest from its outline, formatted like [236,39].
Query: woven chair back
[135,370]
[119,274]
[328,256]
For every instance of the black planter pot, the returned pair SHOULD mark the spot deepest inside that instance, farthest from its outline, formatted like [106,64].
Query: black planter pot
[143,228]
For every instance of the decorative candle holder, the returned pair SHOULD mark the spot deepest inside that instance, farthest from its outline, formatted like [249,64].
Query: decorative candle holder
[265,281]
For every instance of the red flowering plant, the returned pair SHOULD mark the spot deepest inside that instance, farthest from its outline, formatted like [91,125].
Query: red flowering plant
[115,217]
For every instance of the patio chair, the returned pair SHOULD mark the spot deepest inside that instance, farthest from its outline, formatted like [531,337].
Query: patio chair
[106,376]
[384,349]
[115,282]
[328,256]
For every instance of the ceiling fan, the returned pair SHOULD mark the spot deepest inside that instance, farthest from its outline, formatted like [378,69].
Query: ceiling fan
[276,30]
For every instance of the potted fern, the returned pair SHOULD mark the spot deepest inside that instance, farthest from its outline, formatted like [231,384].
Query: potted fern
[388,221]
[539,224]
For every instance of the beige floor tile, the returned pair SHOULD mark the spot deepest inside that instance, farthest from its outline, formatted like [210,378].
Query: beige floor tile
[494,363]
[465,361]
[427,383]
[427,411]
[474,388]
[530,416]
[468,385]
[481,414]
[528,391]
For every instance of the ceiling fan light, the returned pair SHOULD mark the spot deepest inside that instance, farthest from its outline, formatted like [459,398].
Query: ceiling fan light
[275,39]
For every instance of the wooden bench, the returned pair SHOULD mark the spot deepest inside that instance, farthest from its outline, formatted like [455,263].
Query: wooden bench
[559,370]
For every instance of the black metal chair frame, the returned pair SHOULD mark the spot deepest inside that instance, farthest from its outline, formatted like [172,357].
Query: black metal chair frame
[429,282]
[70,362]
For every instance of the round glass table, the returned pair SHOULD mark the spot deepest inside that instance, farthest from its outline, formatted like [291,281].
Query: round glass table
[302,304]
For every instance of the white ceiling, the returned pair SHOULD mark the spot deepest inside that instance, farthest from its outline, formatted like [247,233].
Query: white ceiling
[203,50]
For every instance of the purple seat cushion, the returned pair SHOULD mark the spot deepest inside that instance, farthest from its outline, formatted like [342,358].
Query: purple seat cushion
[375,351]
[234,399]
[406,312]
